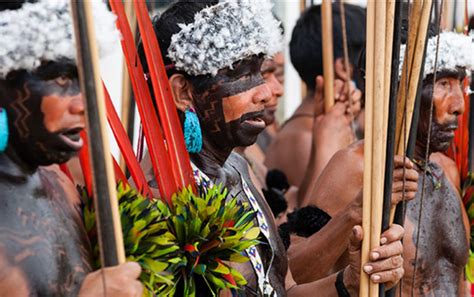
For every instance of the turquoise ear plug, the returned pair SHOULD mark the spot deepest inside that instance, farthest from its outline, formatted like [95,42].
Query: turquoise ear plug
[192,131]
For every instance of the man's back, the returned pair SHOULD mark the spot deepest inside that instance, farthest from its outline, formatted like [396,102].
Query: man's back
[290,149]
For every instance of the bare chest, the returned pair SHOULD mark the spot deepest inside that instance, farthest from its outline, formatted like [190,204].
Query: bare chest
[43,236]
[436,246]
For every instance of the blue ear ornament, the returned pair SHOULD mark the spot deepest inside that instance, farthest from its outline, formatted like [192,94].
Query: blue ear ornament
[192,131]
[3,130]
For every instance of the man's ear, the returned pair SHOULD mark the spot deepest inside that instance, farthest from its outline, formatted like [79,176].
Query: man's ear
[182,91]
[340,70]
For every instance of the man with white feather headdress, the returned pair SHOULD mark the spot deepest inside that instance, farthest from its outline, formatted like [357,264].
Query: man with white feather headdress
[437,237]
[44,250]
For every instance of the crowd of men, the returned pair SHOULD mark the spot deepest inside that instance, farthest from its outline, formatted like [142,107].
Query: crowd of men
[224,63]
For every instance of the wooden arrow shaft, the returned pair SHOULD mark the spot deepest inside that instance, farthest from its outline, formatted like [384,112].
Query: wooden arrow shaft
[105,197]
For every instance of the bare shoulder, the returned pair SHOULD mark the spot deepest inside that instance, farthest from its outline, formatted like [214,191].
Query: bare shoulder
[351,158]
[56,177]
[288,139]
[449,167]
[341,180]
[294,129]
[290,152]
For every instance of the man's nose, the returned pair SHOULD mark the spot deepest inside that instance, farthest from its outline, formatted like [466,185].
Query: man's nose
[276,86]
[262,95]
[457,106]
[76,106]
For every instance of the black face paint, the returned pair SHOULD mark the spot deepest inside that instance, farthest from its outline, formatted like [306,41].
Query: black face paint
[243,133]
[29,136]
[441,134]
[244,76]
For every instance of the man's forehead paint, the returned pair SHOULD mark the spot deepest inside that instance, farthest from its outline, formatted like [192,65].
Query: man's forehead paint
[236,87]
[51,70]
[245,76]
[42,80]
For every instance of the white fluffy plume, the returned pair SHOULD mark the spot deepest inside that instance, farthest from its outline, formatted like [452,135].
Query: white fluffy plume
[43,31]
[455,50]
[224,34]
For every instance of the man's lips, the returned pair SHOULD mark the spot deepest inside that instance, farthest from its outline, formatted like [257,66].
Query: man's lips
[254,119]
[72,138]
[450,129]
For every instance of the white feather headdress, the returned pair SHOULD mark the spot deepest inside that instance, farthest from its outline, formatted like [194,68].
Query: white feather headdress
[224,34]
[455,50]
[43,31]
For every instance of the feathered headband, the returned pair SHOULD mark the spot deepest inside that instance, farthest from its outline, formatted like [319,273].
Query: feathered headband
[224,34]
[43,31]
[455,50]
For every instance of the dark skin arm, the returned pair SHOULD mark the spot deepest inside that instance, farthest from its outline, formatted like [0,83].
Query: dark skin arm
[340,182]
[343,178]
[303,146]
[334,192]
[386,263]
[332,239]
[331,131]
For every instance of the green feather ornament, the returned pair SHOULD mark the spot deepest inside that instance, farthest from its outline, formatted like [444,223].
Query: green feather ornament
[185,249]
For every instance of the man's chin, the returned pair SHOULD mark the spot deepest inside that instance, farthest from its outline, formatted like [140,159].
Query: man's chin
[269,120]
[55,157]
[440,147]
[249,141]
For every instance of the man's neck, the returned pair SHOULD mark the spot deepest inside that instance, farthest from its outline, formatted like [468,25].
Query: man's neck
[211,158]
[240,150]
[12,165]
[420,152]
[308,104]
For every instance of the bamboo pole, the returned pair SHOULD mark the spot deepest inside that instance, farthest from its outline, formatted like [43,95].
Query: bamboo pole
[126,84]
[405,80]
[346,59]
[105,197]
[367,184]
[328,54]
[395,58]
[411,73]
[390,150]
[378,131]
[416,66]
[388,54]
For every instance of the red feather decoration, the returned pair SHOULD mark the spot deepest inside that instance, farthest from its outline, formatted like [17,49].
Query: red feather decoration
[152,128]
